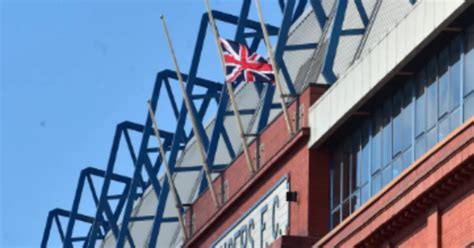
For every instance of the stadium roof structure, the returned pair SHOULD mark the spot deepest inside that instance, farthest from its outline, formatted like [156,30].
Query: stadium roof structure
[317,41]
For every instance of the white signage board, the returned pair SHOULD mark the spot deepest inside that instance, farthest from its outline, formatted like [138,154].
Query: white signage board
[262,224]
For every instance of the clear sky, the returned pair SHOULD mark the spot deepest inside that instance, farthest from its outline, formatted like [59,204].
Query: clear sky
[70,71]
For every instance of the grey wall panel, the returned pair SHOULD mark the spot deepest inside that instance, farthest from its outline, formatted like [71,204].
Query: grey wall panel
[390,13]
[345,53]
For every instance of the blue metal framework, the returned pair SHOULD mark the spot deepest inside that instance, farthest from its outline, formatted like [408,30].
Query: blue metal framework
[246,31]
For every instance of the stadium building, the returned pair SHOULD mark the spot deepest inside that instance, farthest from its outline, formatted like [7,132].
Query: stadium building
[381,98]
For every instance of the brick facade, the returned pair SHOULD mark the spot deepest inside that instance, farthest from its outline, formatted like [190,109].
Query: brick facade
[429,205]
[278,156]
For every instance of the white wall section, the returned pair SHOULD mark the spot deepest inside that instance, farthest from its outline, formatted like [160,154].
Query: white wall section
[370,72]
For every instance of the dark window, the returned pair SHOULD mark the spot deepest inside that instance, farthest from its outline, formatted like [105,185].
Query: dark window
[346,158]
[377,141]
[443,128]
[407,158]
[365,193]
[420,112]
[469,107]
[455,119]
[376,183]
[365,159]
[407,116]
[354,202]
[387,175]
[346,208]
[431,138]
[469,62]
[397,166]
[420,146]
[336,181]
[355,161]
[387,135]
[431,95]
[443,82]
[469,74]
[397,123]
[336,217]
[455,74]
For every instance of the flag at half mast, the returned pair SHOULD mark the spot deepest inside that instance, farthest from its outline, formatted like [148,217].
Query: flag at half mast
[241,65]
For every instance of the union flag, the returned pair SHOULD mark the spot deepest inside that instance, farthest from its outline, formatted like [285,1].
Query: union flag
[241,65]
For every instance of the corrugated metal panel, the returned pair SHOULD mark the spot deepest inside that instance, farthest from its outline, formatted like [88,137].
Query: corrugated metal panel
[378,62]
[390,13]
[307,31]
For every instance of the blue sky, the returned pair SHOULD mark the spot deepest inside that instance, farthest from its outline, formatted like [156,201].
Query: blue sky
[70,71]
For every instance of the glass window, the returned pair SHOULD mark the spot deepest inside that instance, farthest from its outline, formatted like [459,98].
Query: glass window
[443,82]
[387,175]
[365,193]
[455,119]
[397,124]
[365,159]
[346,208]
[407,158]
[336,180]
[431,138]
[397,166]
[407,116]
[420,146]
[455,74]
[444,128]
[354,202]
[420,112]
[346,158]
[377,141]
[469,61]
[431,95]
[356,155]
[469,107]
[376,183]
[387,135]
[336,217]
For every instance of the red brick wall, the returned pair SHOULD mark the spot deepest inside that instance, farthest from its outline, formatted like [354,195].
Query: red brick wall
[280,156]
[450,223]
[318,224]
[457,222]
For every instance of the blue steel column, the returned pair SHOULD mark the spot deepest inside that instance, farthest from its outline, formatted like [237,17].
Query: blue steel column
[162,197]
[179,138]
[218,129]
[106,185]
[330,54]
[279,50]
[143,155]
[75,207]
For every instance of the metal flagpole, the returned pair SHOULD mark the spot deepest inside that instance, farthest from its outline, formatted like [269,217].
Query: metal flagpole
[231,91]
[174,192]
[191,115]
[275,67]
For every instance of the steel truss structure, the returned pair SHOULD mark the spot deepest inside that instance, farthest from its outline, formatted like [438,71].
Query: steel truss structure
[115,219]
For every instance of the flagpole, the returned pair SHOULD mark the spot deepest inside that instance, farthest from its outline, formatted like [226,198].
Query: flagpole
[231,91]
[174,192]
[275,68]
[187,102]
